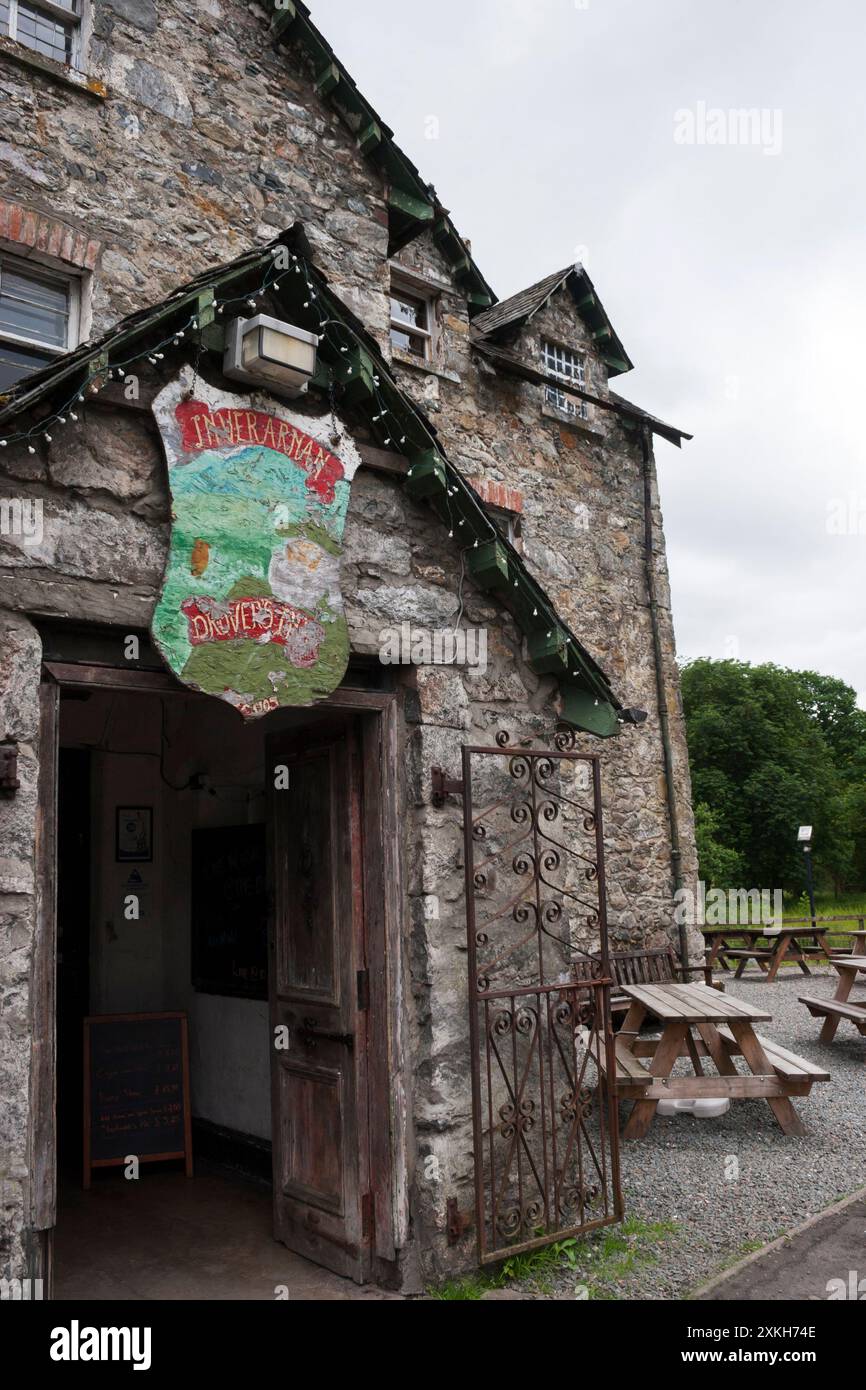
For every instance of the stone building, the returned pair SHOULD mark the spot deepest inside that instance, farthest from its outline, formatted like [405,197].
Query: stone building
[467,541]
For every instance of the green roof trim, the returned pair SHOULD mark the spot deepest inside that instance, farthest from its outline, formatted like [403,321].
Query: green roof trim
[413,208]
[413,204]
[351,358]
[584,712]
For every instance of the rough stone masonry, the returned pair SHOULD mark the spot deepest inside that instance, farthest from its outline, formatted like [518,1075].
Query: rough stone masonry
[194,139]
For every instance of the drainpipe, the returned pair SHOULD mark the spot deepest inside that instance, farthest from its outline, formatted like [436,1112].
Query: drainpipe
[661,693]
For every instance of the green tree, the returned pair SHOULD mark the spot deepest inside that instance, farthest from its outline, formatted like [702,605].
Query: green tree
[772,749]
[720,867]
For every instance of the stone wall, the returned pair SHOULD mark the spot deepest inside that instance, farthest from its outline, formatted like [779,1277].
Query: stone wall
[582,484]
[207,143]
[582,530]
[20,658]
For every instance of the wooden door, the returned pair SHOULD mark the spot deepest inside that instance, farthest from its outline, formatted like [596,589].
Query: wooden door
[319,996]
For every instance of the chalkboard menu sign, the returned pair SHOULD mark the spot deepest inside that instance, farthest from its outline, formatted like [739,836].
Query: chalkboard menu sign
[136,1090]
[230,911]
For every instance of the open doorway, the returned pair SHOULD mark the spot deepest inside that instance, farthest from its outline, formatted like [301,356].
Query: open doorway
[233,874]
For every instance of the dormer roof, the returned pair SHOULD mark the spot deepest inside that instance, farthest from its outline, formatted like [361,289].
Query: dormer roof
[511,314]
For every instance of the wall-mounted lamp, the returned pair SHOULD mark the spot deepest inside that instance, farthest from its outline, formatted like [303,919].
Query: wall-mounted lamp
[632,716]
[268,351]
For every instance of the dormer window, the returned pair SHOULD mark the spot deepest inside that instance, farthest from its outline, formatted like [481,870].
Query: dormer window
[570,367]
[51,28]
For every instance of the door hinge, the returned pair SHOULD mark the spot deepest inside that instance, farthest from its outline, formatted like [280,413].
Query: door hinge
[367,1216]
[363,990]
[458,1222]
[443,786]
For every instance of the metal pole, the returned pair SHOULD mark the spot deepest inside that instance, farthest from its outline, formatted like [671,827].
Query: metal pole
[807,853]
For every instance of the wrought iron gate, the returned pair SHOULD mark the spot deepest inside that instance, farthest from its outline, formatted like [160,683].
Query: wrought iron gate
[545,1129]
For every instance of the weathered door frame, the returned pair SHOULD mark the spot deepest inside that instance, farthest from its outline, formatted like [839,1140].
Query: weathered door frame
[381,748]
[319,992]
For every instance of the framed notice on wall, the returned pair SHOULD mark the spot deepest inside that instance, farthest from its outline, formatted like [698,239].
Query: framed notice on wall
[229,909]
[133,835]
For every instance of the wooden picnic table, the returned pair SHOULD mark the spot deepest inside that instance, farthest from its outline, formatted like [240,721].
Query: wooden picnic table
[841,1005]
[725,1029]
[782,943]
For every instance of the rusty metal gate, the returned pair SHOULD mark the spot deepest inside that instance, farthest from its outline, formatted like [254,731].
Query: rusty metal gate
[545,1129]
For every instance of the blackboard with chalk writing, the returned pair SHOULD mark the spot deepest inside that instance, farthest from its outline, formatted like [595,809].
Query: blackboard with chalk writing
[136,1090]
[229,911]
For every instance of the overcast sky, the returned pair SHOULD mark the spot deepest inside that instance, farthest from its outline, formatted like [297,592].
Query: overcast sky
[734,272]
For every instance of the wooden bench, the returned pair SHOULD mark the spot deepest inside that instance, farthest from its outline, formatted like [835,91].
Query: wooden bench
[631,1073]
[836,1009]
[784,1063]
[657,965]
[795,1074]
[743,953]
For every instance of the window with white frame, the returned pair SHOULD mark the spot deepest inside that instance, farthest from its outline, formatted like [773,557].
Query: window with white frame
[51,28]
[413,320]
[569,367]
[39,310]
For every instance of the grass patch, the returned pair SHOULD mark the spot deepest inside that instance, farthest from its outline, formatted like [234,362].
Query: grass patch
[619,1252]
[597,1264]
[460,1290]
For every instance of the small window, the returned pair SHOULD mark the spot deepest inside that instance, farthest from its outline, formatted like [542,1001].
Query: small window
[51,28]
[412,322]
[509,525]
[569,367]
[38,317]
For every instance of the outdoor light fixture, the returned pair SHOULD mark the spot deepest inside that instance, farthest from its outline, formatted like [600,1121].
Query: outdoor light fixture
[804,835]
[268,351]
[633,716]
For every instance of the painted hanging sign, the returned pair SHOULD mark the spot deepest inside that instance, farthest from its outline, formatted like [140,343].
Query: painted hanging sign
[251,609]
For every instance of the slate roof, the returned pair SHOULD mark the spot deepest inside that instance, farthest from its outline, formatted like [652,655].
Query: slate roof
[510,314]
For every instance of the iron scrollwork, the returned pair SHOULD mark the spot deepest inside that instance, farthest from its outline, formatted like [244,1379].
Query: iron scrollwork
[537,935]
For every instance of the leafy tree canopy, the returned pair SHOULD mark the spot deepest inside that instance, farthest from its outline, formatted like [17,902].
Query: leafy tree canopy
[770,750]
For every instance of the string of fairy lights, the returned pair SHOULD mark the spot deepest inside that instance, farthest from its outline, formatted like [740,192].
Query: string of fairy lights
[388,422]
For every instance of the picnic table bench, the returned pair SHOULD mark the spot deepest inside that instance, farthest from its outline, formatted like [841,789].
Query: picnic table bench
[725,1029]
[798,943]
[841,1006]
[649,966]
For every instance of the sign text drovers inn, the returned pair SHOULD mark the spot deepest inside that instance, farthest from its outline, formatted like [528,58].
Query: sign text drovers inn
[251,609]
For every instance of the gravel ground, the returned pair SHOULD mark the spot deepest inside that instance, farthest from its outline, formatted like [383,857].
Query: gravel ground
[677,1172]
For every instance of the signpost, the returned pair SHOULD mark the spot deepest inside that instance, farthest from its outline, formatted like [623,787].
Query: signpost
[804,838]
